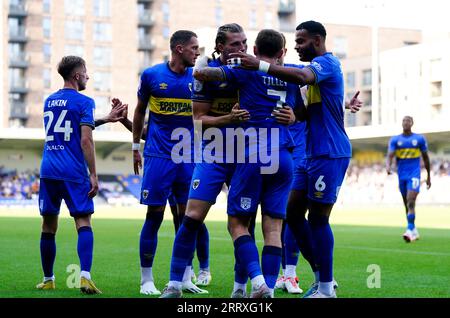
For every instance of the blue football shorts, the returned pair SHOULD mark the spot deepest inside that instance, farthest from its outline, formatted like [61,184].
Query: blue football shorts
[325,177]
[409,184]
[52,192]
[249,187]
[208,180]
[161,177]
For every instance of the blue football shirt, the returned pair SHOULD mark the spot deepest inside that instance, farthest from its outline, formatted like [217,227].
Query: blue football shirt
[168,95]
[407,151]
[325,130]
[64,113]
[260,94]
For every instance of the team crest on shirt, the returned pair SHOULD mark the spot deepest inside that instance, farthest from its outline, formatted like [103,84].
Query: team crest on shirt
[163,85]
[195,184]
[414,142]
[246,203]
[145,194]
[197,86]
[190,87]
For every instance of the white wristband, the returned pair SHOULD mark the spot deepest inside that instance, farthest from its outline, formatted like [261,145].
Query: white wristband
[135,146]
[264,66]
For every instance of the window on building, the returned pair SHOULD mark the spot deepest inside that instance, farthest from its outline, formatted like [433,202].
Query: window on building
[102,56]
[145,59]
[74,30]
[166,32]
[436,68]
[166,12]
[102,32]
[436,89]
[76,50]
[16,77]
[219,16]
[16,27]
[350,79]
[46,27]
[74,7]
[47,51]
[47,77]
[252,19]
[46,6]
[102,81]
[367,77]
[102,8]
[16,51]
[340,47]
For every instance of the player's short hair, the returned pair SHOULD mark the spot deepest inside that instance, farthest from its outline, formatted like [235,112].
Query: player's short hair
[181,37]
[284,40]
[221,36]
[269,42]
[313,28]
[68,64]
[408,116]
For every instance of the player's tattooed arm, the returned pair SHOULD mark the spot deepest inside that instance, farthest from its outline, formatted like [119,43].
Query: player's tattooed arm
[210,74]
[300,76]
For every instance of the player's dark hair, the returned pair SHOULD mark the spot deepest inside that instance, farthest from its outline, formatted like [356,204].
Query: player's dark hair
[181,37]
[221,36]
[68,64]
[313,28]
[269,42]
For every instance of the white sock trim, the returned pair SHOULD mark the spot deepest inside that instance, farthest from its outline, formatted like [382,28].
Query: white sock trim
[85,274]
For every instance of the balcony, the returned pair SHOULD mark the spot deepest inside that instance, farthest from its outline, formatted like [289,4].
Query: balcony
[146,44]
[18,86]
[17,10]
[286,7]
[19,60]
[145,19]
[17,35]
[18,110]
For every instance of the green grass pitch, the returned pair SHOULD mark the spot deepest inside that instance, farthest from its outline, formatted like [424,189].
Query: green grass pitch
[419,269]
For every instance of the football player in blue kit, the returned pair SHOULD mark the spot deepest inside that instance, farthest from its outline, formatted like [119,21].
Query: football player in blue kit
[213,106]
[257,182]
[68,155]
[407,148]
[166,90]
[328,148]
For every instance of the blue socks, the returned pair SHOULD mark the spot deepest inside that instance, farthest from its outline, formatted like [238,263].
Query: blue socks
[203,246]
[411,218]
[240,272]
[183,247]
[271,259]
[324,244]
[247,255]
[301,230]
[85,247]
[48,253]
[290,248]
[149,238]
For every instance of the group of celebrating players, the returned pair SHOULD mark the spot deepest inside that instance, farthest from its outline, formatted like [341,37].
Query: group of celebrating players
[296,114]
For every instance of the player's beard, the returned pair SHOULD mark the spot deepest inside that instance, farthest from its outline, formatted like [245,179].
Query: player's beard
[308,53]
[81,86]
